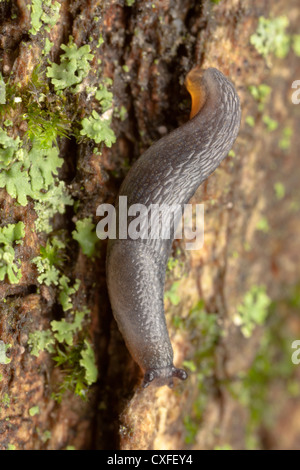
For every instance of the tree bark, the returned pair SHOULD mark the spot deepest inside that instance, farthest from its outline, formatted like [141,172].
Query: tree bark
[147,50]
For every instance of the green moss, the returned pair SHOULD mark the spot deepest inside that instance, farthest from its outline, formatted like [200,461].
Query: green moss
[80,371]
[9,236]
[253,311]
[45,126]
[25,173]
[85,234]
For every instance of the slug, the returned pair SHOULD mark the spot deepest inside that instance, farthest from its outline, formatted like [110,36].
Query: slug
[169,172]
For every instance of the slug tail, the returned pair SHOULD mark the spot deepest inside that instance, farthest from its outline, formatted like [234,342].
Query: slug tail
[195,86]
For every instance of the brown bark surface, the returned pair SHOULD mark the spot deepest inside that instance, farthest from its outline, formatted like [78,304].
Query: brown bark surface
[158,42]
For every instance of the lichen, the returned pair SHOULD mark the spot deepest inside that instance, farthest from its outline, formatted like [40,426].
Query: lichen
[253,310]
[43,12]
[98,128]
[73,68]
[85,234]
[10,235]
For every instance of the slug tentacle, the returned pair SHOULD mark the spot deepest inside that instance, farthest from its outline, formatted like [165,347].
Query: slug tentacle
[168,173]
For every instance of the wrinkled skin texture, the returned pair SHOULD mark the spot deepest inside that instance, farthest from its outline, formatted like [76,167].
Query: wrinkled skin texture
[169,172]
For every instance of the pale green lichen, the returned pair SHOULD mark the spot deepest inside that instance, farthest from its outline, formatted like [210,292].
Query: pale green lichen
[253,310]
[73,68]
[39,341]
[279,189]
[205,333]
[2,90]
[88,363]
[26,173]
[66,291]
[285,141]
[9,236]
[64,330]
[263,225]
[48,261]
[104,97]
[34,410]
[72,353]
[98,128]
[261,94]
[43,12]
[172,294]
[85,234]
[250,121]
[53,202]
[270,37]
[8,149]
[270,123]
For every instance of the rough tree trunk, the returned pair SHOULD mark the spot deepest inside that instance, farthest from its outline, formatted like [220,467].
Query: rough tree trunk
[242,391]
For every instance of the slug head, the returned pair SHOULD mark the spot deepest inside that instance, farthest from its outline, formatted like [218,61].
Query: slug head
[163,376]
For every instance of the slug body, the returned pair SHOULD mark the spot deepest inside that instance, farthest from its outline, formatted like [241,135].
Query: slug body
[169,172]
